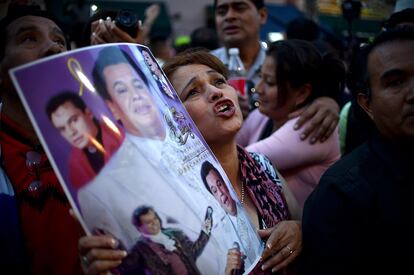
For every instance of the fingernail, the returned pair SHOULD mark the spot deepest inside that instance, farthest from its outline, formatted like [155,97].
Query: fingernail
[275,269]
[313,140]
[295,127]
[302,136]
[124,253]
[108,18]
[114,243]
[100,21]
[263,267]
[94,34]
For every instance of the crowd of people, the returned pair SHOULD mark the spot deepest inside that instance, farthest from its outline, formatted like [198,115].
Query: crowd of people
[324,198]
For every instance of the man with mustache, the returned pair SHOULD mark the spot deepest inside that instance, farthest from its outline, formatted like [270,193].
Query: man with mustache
[238,24]
[358,219]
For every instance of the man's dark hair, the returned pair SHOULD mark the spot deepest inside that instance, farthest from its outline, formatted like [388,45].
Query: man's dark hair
[141,211]
[257,3]
[14,12]
[206,167]
[111,56]
[401,17]
[66,96]
[403,33]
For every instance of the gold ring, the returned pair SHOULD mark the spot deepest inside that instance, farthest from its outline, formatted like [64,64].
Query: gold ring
[290,249]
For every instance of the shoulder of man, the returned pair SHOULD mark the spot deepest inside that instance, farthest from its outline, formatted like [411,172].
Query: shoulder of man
[353,176]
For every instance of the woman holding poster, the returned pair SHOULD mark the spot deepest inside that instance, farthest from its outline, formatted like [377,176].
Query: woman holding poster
[157,164]
[200,81]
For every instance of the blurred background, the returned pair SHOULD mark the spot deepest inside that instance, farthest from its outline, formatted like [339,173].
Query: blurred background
[340,22]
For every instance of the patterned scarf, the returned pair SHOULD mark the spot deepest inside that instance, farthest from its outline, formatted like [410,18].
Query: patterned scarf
[263,189]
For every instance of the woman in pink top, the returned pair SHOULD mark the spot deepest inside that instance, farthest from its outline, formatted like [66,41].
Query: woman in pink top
[292,76]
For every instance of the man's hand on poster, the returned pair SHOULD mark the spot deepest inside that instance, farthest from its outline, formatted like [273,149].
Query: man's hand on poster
[235,260]
[324,116]
[99,254]
[208,221]
[283,244]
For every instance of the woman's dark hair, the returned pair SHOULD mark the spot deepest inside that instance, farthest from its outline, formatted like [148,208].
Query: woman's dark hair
[298,63]
[108,56]
[194,56]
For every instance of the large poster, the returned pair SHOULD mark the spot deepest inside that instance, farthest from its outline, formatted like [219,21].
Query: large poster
[133,163]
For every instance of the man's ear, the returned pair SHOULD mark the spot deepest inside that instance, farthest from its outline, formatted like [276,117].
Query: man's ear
[303,93]
[114,109]
[263,13]
[364,102]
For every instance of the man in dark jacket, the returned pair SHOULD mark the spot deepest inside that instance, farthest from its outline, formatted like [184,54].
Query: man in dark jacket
[359,218]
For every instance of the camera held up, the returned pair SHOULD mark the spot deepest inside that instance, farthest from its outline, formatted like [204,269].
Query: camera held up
[127,21]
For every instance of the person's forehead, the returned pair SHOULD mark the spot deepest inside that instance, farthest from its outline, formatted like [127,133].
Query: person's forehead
[121,68]
[233,2]
[65,109]
[195,69]
[69,104]
[118,63]
[215,176]
[30,21]
[149,216]
[391,55]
